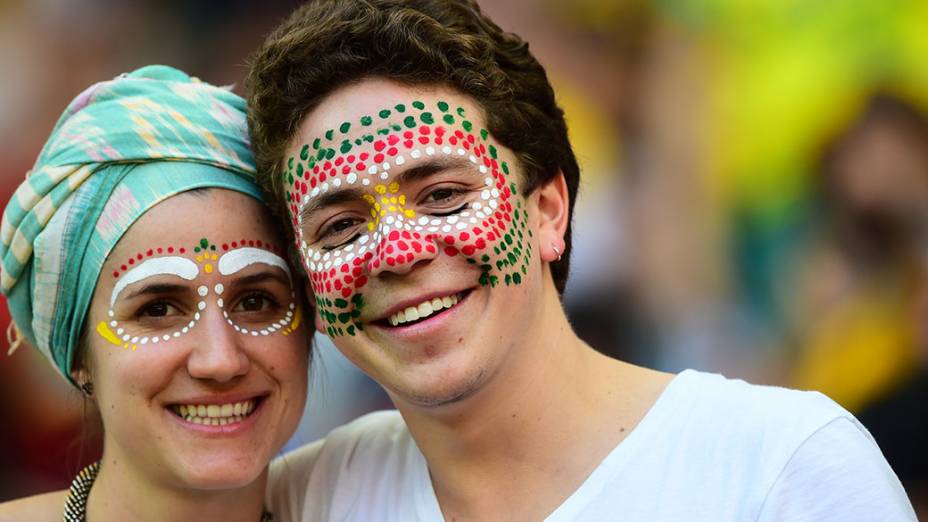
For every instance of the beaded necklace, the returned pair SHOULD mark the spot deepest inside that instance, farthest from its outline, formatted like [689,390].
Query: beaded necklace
[75,509]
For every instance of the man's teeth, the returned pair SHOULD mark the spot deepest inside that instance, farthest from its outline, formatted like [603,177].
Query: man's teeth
[215,414]
[423,309]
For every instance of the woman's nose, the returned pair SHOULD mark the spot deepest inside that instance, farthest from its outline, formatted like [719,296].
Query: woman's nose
[219,351]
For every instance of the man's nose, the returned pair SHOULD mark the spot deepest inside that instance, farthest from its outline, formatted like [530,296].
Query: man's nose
[399,250]
[219,351]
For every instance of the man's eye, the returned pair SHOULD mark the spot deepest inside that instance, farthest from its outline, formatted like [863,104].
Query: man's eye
[445,201]
[343,224]
[340,232]
[441,195]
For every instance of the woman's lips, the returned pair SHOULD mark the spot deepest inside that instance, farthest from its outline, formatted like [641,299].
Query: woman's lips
[216,414]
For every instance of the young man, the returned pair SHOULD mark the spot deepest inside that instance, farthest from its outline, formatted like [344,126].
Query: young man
[424,171]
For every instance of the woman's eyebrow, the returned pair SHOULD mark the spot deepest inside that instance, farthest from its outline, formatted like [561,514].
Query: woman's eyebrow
[262,276]
[157,288]
[240,259]
[172,265]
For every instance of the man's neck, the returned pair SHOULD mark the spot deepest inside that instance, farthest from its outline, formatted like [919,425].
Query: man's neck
[518,447]
[119,493]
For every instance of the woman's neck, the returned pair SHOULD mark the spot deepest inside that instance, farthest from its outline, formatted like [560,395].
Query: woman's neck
[119,493]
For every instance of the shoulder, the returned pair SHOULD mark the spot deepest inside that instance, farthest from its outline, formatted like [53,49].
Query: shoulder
[748,420]
[47,506]
[838,472]
[744,408]
[793,446]
[349,459]
[377,430]
[753,429]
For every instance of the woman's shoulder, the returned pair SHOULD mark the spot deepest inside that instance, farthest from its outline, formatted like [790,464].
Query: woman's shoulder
[46,506]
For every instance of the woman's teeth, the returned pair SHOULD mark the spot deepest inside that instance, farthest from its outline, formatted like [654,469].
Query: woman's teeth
[215,414]
[423,309]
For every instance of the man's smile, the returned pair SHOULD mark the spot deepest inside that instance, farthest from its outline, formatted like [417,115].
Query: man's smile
[421,308]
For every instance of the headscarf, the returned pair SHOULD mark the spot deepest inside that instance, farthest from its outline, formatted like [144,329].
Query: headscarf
[121,147]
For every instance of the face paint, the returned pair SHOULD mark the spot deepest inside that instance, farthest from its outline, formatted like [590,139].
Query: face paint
[236,257]
[176,266]
[236,261]
[488,231]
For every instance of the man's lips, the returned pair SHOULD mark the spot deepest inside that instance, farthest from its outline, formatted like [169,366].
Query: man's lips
[421,307]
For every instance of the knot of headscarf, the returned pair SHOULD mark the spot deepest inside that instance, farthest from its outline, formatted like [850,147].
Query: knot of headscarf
[120,147]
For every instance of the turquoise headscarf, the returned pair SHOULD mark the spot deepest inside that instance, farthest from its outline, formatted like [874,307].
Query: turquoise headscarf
[121,147]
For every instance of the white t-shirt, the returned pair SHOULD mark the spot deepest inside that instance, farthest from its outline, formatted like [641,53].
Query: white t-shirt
[710,448]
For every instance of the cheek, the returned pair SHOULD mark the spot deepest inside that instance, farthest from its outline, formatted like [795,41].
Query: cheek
[340,277]
[122,378]
[500,244]
[287,360]
[337,291]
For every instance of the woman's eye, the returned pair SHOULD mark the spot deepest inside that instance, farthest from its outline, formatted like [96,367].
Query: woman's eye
[157,309]
[254,303]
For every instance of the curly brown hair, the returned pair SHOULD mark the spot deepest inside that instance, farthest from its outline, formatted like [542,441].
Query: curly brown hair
[326,44]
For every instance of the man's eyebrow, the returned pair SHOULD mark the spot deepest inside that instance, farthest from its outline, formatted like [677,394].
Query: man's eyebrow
[432,166]
[330,198]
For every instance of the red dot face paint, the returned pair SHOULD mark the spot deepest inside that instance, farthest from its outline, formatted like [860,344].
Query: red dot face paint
[398,225]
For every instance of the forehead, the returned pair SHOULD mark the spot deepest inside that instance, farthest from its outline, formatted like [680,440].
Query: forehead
[185,219]
[376,132]
[373,105]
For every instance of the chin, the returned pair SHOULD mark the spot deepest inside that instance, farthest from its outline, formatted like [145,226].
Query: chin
[231,474]
[442,391]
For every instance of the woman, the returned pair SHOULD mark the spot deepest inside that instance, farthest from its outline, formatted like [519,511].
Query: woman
[138,258]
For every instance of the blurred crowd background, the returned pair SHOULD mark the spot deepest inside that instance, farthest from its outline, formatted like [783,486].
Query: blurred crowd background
[754,198]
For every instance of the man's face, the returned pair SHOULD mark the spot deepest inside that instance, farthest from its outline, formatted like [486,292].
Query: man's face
[418,246]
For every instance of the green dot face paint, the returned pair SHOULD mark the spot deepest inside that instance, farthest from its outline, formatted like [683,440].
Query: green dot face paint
[475,213]
[195,266]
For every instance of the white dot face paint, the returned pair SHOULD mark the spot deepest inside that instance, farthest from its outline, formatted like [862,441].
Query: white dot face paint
[460,169]
[237,260]
[118,329]
[393,215]
[173,266]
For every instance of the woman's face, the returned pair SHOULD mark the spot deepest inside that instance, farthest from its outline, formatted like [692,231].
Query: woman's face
[197,349]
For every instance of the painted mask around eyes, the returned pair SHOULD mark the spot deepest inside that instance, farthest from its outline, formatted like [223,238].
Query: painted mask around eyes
[490,231]
[191,264]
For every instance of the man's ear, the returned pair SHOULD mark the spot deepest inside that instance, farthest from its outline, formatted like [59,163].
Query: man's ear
[553,211]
